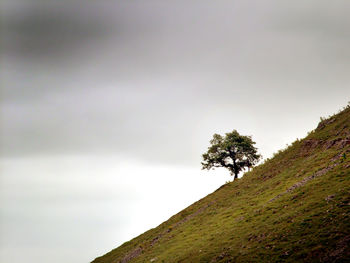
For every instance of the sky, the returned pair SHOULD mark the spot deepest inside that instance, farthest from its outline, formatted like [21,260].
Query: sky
[107,106]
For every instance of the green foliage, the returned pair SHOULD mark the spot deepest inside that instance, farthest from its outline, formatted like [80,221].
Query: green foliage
[234,152]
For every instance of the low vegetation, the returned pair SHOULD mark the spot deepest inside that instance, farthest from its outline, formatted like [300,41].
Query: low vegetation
[292,208]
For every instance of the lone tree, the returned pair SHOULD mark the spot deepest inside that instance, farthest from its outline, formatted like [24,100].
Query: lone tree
[234,152]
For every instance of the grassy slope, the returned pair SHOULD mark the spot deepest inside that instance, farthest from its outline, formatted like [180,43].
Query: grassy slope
[292,208]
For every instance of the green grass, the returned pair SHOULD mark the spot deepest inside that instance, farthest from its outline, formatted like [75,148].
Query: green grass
[257,219]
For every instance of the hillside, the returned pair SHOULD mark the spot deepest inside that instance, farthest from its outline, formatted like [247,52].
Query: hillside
[292,208]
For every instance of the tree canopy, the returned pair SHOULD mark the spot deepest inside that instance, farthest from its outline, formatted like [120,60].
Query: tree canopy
[233,151]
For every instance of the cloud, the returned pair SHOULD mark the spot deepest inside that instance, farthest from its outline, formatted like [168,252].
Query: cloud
[155,80]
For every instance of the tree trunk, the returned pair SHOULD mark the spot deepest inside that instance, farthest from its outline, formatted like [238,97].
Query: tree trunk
[235,168]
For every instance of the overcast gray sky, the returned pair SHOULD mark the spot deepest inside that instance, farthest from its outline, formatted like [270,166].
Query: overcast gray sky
[145,84]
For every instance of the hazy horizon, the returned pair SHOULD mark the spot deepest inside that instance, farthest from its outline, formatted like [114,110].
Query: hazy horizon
[106,108]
